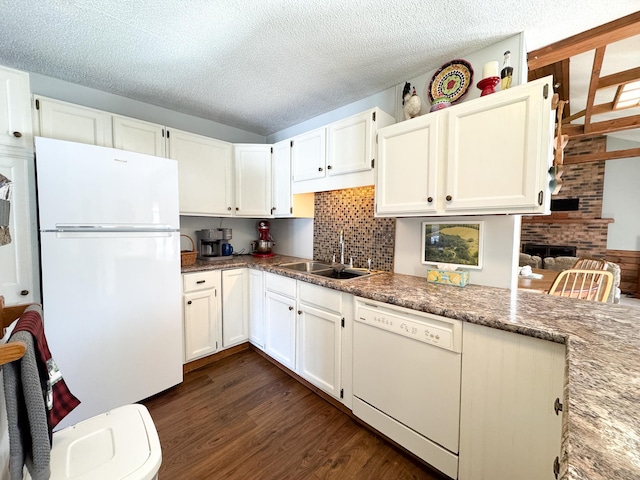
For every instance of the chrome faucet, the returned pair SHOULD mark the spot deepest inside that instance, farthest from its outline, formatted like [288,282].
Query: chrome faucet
[342,247]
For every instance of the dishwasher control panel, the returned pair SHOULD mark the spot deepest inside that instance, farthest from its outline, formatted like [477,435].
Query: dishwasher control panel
[425,327]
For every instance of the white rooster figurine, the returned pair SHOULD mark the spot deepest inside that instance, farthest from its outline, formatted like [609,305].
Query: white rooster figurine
[411,102]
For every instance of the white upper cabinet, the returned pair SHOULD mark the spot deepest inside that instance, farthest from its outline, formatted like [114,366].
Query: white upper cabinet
[406,180]
[204,173]
[66,121]
[308,155]
[499,148]
[253,180]
[15,109]
[340,155]
[281,165]
[487,156]
[138,136]
[350,144]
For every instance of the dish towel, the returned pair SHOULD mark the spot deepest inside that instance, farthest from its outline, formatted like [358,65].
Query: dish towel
[37,398]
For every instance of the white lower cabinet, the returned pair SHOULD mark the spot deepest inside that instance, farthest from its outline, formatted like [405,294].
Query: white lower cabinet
[280,319]
[319,348]
[235,306]
[256,308]
[304,326]
[512,388]
[201,313]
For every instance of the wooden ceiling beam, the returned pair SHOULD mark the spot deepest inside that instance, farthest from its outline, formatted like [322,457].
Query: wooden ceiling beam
[596,157]
[614,31]
[602,128]
[596,110]
[593,86]
[619,78]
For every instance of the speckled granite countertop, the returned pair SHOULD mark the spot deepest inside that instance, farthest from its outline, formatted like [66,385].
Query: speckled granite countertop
[601,418]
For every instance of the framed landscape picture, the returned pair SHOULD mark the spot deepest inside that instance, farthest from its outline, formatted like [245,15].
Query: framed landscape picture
[453,243]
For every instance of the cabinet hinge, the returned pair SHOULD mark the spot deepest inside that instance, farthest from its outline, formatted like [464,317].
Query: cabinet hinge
[167,133]
[373,115]
[37,104]
[540,197]
[545,91]
[216,344]
[291,210]
[271,150]
[342,393]
[373,162]
[163,133]
[291,143]
[376,138]
[342,322]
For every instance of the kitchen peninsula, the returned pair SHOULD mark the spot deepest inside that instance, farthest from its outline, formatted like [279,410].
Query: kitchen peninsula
[601,414]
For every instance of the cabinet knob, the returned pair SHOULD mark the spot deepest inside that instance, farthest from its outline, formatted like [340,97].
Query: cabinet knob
[557,406]
[228,208]
[328,167]
[319,169]
[290,308]
[449,198]
[299,312]
[17,134]
[556,467]
[189,302]
[430,199]
[24,293]
[237,208]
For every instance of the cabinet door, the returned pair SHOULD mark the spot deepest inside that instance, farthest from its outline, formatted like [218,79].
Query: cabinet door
[204,173]
[349,144]
[74,123]
[319,348]
[138,136]
[253,180]
[406,174]
[200,314]
[235,306]
[499,151]
[280,328]
[16,267]
[15,109]
[308,155]
[282,197]
[256,308]
[508,426]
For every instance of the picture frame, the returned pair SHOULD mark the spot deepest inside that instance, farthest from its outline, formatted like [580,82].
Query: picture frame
[453,243]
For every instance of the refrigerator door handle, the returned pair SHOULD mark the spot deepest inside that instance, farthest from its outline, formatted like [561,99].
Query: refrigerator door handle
[107,228]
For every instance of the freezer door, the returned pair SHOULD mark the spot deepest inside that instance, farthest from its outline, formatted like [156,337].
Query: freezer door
[112,315]
[88,185]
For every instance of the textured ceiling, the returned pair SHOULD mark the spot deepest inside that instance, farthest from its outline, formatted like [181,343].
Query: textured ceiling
[264,65]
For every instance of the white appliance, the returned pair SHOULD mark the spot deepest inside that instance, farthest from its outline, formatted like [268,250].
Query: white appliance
[406,379]
[110,261]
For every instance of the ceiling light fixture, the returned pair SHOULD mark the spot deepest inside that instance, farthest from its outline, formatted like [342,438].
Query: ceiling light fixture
[627,96]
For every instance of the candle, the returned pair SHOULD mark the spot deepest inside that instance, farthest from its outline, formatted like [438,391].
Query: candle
[490,69]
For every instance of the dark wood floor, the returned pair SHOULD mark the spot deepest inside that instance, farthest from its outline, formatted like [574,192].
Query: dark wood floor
[244,418]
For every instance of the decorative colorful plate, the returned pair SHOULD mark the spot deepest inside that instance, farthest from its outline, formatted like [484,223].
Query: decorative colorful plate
[452,80]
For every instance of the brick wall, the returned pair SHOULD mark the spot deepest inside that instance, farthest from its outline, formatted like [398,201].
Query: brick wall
[586,182]
[365,237]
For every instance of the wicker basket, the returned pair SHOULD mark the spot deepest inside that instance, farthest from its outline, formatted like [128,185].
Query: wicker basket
[188,258]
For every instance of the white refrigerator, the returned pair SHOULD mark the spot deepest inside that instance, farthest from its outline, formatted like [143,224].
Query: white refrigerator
[110,261]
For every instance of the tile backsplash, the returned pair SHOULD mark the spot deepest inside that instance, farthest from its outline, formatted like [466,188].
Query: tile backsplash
[365,237]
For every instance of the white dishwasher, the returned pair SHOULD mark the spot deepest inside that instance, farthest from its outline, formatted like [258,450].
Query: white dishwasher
[406,379]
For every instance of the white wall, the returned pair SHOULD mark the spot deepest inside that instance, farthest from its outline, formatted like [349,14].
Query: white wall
[501,242]
[89,97]
[621,197]
[293,236]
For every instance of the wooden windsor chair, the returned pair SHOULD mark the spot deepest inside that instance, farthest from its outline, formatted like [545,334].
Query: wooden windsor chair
[593,285]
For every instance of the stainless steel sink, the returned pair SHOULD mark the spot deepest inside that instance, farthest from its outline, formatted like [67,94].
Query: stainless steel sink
[326,270]
[308,267]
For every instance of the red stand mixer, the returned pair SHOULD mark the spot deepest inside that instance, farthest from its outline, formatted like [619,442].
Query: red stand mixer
[262,246]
